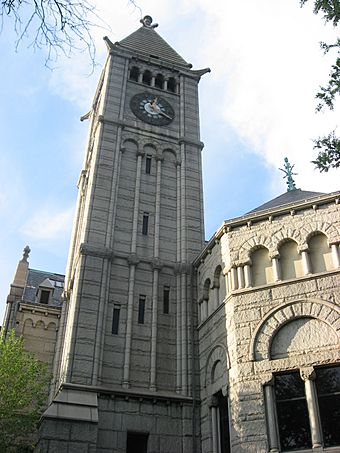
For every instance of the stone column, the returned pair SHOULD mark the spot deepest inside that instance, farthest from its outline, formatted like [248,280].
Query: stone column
[214,425]
[132,271]
[234,282]
[308,376]
[273,440]
[140,77]
[156,269]
[165,86]
[240,277]
[307,269]
[152,81]
[228,281]
[247,276]
[276,267]
[335,255]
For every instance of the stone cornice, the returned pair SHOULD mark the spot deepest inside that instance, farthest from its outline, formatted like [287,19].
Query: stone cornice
[113,391]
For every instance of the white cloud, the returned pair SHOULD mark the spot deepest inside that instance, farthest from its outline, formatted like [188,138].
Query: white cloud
[49,223]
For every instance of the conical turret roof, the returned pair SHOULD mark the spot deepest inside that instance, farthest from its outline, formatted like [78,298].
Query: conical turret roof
[148,42]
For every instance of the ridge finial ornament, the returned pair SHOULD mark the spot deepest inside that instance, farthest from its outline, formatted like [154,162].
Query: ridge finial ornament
[147,22]
[288,171]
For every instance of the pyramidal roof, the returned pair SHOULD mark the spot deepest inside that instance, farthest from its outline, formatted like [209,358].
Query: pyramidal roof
[148,42]
[288,197]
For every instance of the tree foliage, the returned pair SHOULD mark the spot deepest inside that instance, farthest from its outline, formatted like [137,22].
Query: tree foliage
[328,146]
[60,26]
[23,394]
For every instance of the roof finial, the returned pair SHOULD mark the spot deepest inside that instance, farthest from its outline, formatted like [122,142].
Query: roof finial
[25,253]
[288,170]
[147,22]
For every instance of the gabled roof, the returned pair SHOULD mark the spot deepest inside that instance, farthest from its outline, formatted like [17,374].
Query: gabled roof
[36,279]
[148,42]
[287,198]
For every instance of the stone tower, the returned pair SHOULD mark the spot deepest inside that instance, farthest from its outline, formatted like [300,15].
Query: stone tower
[125,360]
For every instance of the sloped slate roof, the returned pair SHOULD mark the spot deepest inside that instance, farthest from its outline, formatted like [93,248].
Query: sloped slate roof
[148,42]
[34,280]
[287,198]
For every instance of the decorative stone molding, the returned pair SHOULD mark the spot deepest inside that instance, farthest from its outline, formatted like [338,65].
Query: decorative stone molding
[278,316]
[156,264]
[218,353]
[100,252]
[133,259]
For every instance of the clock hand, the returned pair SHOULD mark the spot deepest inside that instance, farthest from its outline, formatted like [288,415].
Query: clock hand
[164,114]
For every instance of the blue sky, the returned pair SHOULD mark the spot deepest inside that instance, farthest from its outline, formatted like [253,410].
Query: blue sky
[257,106]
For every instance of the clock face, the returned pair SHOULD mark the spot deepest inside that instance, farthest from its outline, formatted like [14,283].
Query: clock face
[152,109]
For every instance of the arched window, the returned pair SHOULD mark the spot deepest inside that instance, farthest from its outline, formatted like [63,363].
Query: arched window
[219,286]
[290,260]
[159,81]
[261,267]
[134,73]
[320,254]
[205,302]
[172,85]
[147,77]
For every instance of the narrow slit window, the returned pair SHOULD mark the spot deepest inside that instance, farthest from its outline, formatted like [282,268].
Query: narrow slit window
[166,299]
[141,309]
[148,165]
[145,226]
[115,320]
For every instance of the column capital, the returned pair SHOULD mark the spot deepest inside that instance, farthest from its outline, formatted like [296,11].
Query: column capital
[268,379]
[307,373]
[212,401]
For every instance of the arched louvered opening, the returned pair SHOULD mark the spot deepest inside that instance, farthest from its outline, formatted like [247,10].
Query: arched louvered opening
[147,77]
[134,73]
[172,85]
[159,81]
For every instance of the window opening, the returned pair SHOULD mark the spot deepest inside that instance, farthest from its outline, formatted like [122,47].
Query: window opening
[327,384]
[222,402]
[134,73]
[148,165]
[141,309]
[172,85]
[137,442]
[147,78]
[115,320]
[166,299]
[159,81]
[44,296]
[292,412]
[145,226]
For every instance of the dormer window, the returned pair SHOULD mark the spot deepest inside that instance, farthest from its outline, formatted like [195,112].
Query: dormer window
[45,292]
[44,296]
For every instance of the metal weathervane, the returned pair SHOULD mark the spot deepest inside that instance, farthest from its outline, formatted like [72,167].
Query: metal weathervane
[288,171]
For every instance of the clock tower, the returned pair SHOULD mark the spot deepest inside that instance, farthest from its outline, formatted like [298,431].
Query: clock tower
[125,370]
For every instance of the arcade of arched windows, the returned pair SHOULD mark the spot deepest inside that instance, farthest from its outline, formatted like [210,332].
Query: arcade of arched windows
[154,80]
[263,267]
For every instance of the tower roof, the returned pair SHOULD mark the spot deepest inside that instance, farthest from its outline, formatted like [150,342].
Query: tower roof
[148,42]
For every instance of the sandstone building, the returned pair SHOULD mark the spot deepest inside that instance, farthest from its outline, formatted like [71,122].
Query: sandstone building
[165,343]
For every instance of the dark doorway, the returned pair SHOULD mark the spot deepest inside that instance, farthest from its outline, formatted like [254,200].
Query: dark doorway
[137,442]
